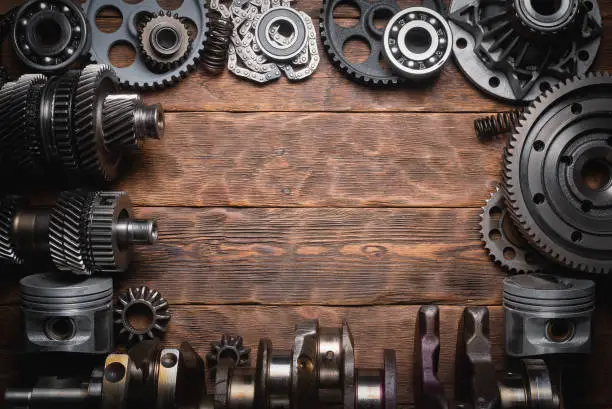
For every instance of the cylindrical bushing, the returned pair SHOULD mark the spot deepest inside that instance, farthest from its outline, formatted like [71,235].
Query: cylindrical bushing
[547,314]
[67,314]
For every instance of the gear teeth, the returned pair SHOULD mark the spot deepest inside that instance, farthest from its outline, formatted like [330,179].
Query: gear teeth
[157,305]
[91,152]
[31,157]
[8,209]
[119,123]
[67,240]
[512,190]
[63,148]
[102,219]
[152,61]
[233,344]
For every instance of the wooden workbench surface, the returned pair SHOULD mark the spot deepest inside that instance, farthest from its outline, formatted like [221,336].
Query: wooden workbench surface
[322,199]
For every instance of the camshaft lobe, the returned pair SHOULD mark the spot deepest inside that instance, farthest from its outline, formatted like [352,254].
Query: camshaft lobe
[127,121]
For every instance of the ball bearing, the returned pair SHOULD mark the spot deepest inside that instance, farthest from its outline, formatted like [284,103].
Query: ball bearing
[417,42]
[281,34]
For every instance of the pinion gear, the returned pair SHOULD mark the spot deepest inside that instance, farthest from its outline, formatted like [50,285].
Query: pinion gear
[229,347]
[164,41]
[503,242]
[129,305]
[557,169]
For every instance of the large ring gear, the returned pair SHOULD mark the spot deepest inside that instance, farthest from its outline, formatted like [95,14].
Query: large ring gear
[82,233]
[166,50]
[558,174]
[50,35]
[415,44]
[77,125]
[269,37]
[515,49]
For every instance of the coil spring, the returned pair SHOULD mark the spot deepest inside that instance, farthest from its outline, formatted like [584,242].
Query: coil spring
[491,126]
[217,44]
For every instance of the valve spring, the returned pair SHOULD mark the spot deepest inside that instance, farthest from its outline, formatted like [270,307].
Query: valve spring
[217,44]
[489,127]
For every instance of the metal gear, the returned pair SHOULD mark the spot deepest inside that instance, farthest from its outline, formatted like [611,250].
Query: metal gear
[229,347]
[503,242]
[164,41]
[558,174]
[8,247]
[333,36]
[515,49]
[50,35]
[148,303]
[138,74]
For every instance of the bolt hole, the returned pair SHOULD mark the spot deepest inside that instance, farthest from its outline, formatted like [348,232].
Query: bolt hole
[576,109]
[114,372]
[545,86]
[495,212]
[494,82]
[559,330]
[589,5]
[576,236]
[583,55]
[461,43]
[538,146]
[538,198]
[305,363]
[509,253]
[495,234]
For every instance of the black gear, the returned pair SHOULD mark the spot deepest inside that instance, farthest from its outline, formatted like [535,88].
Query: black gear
[60,143]
[8,250]
[153,302]
[95,83]
[229,347]
[562,138]
[334,37]
[164,41]
[505,245]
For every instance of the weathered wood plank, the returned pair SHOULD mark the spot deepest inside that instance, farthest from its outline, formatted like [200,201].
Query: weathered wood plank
[374,329]
[314,256]
[322,159]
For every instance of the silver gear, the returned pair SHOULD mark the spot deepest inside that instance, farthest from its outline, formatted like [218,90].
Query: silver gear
[95,83]
[153,302]
[138,74]
[8,250]
[164,57]
[502,240]
[229,347]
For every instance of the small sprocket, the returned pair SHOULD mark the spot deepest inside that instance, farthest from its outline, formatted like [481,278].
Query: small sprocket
[164,41]
[229,347]
[137,303]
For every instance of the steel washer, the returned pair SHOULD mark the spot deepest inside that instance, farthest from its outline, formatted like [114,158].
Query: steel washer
[273,50]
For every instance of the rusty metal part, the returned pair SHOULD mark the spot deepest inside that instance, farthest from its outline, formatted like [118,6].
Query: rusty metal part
[428,390]
[319,369]
[475,376]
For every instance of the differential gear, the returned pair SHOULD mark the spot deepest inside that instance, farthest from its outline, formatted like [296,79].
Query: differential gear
[155,311]
[515,49]
[164,41]
[229,347]
[502,240]
[77,124]
[50,35]
[333,36]
[82,233]
[557,174]
[143,73]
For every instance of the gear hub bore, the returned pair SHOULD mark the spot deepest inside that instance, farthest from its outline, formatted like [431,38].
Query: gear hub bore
[82,233]
[558,174]
[515,49]
[77,125]
[50,35]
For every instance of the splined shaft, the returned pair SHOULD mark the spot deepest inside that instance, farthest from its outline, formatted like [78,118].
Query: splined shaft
[82,233]
[77,125]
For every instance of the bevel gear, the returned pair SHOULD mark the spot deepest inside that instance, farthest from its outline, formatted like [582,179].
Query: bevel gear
[558,174]
[228,347]
[334,37]
[164,41]
[505,245]
[82,233]
[192,13]
[141,301]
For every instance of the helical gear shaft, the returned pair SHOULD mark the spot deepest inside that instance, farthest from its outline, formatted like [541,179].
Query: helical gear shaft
[82,233]
[76,126]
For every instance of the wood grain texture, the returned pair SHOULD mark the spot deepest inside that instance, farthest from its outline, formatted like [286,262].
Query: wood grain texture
[314,256]
[374,328]
[316,159]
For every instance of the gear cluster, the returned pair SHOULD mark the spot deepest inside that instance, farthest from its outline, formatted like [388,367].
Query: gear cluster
[269,37]
[77,125]
[557,182]
[83,233]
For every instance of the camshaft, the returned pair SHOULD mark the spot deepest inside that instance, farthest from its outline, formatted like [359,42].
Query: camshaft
[82,232]
[77,125]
